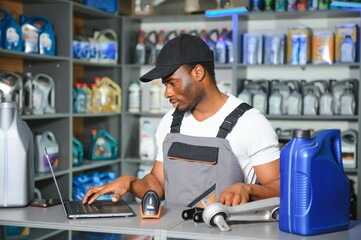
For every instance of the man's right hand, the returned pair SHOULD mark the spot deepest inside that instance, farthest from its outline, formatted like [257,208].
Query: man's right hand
[118,187]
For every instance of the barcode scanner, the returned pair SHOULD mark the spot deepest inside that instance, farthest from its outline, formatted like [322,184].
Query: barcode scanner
[150,205]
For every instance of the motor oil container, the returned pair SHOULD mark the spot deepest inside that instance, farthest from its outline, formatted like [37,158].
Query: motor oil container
[96,99]
[310,100]
[276,102]
[315,193]
[89,96]
[38,35]
[46,140]
[11,88]
[10,32]
[134,92]
[326,103]
[155,97]
[16,159]
[348,102]
[206,37]
[221,50]
[295,98]
[28,94]
[165,104]
[5,17]
[93,50]
[160,42]
[260,100]
[103,146]
[140,53]
[78,152]
[80,99]
[147,149]
[110,95]
[107,40]
[150,41]
[43,94]
[349,148]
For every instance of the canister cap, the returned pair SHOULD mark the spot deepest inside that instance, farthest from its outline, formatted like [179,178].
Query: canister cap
[301,134]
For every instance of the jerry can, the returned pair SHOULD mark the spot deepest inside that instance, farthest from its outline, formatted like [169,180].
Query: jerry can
[78,152]
[103,146]
[315,193]
[110,95]
[38,35]
[16,159]
[46,140]
[11,89]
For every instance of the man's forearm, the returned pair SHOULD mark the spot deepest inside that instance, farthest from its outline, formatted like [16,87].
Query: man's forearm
[258,192]
[139,187]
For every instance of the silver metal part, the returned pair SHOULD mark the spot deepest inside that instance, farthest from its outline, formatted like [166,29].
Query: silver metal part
[216,214]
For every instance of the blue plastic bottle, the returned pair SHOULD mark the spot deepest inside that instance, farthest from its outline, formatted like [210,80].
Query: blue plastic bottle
[315,195]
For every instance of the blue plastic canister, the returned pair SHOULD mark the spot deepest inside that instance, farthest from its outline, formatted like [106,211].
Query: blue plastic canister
[38,35]
[78,152]
[315,195]
[10,32]
[103,146]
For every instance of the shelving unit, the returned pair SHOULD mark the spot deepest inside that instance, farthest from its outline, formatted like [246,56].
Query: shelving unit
[68,16]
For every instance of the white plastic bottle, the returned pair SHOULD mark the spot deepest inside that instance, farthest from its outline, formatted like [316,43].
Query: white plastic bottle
[155,97]
[165,105]
[134,96]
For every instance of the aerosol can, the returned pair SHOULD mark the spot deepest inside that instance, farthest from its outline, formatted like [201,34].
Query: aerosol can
[46,140]
[11,88]
[43,94]
[16,159]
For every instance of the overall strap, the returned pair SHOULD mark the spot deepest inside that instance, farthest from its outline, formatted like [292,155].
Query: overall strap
[231,120]
[177,121]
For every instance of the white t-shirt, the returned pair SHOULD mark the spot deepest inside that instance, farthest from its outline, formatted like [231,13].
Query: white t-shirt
[252,139]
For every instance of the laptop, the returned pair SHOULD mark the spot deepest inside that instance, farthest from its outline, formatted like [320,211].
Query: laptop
[98,209]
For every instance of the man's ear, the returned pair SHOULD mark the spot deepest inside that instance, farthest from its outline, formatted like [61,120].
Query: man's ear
[199,72]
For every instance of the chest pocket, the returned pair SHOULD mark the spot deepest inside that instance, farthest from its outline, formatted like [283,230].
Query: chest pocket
[187,152]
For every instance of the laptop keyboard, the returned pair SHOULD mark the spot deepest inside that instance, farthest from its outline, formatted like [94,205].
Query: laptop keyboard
[78,207]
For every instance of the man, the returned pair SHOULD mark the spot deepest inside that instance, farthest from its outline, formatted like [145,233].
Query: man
[211,146]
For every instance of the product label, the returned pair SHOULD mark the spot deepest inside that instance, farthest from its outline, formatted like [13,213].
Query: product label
[30,38]
[12,38]
[108,51]
[45,44]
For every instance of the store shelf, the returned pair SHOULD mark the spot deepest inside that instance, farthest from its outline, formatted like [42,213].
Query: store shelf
[90,164]
[310,65]
[30,56]
[307,14]
[94,115]
[91,12]
[47,175]
[45,116]
[312,118]
[94,64]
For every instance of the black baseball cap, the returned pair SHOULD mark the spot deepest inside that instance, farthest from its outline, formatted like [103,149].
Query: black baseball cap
[183,49]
